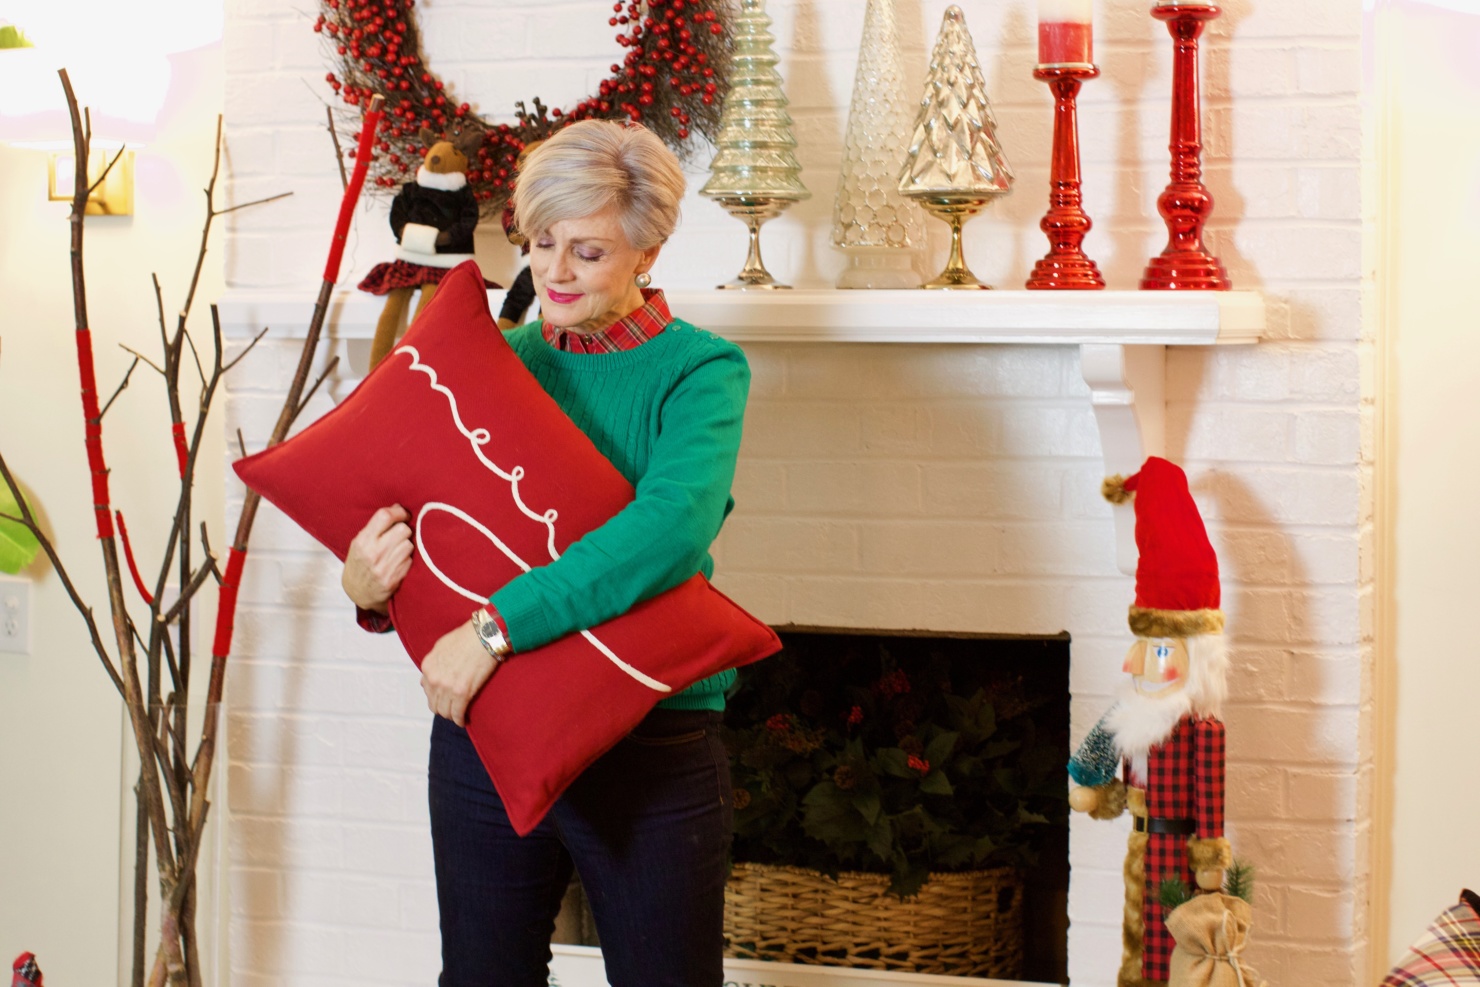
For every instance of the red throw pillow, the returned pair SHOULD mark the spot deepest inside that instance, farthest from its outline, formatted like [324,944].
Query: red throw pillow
[498,479]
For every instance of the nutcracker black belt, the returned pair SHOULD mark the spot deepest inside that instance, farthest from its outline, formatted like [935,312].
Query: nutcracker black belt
[1173,827]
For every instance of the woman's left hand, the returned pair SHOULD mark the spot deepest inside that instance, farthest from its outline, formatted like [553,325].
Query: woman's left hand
[453,671]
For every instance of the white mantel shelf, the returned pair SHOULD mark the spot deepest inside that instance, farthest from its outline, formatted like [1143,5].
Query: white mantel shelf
[1194,318]
[824,315]
[1122,338]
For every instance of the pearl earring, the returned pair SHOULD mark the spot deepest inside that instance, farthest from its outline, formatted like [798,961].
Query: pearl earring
[643,280]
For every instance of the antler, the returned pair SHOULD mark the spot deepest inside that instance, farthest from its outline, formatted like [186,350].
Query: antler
[468,140]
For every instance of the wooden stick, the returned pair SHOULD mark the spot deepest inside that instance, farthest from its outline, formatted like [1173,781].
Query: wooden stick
[29,521]
[102,504]
[121,386]
[338,151]
[254,202]
[236,558]
[107,168]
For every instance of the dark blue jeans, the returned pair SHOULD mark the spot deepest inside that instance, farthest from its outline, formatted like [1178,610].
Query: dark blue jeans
[647,827]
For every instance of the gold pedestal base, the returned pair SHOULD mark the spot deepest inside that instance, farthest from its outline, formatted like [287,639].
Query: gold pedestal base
[955,210]
[753,211]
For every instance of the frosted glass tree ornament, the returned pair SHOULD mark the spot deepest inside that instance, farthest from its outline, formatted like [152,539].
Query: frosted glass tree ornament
[879,229]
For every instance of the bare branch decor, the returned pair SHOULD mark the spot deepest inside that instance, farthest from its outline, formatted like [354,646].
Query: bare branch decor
[150,660]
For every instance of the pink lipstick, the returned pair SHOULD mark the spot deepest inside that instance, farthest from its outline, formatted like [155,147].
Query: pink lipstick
[560,297]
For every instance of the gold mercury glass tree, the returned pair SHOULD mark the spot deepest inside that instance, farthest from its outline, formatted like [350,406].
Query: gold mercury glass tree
[955,165]
[755,175]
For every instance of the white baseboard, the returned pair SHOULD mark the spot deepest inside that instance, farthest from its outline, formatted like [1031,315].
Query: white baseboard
[580,966]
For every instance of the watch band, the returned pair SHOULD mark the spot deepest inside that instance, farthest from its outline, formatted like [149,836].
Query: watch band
[490,635]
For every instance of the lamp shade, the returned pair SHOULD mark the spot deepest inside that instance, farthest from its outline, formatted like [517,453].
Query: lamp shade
[115,55]
[122,103]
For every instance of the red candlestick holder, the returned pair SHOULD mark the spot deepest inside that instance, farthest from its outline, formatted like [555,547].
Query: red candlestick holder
[1186,203]
[1065,223]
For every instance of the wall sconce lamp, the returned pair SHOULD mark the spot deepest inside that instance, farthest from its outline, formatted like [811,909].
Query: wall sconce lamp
[122,105]
[112,196]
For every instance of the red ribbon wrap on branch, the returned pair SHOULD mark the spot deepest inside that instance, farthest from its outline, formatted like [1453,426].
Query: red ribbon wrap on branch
[182,450]
[352,193]
[133,567]
[226,603]
[93,423]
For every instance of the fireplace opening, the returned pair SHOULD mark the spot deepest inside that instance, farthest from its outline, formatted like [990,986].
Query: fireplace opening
[924,759]
[790,724]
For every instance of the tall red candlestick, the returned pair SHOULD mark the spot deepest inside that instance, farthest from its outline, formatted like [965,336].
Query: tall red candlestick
[1065,223]
[1186,203]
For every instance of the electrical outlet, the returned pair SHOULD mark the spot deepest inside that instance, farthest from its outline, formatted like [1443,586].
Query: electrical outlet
[15,616]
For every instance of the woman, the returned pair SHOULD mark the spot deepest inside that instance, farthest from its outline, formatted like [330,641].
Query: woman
[647,825]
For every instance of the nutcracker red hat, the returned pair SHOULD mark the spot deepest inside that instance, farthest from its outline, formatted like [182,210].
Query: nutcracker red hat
[26,972]
[1177,592]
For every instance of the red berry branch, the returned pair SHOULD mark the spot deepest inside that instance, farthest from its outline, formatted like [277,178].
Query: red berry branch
[672,79]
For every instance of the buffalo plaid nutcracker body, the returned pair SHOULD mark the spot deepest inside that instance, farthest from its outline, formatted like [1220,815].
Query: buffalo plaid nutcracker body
[1184,792]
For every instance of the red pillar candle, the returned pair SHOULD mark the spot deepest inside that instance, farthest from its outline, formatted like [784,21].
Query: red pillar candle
[1065,32]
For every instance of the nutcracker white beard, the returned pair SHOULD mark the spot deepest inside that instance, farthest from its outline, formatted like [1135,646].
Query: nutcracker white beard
[1139,721]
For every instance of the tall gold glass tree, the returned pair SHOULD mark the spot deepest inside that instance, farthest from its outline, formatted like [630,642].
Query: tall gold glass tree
[755,176]
[955,165]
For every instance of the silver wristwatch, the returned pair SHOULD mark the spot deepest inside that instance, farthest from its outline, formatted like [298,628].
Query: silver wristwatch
[490,636]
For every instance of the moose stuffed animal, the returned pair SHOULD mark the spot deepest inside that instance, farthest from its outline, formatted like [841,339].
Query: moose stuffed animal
[433,217]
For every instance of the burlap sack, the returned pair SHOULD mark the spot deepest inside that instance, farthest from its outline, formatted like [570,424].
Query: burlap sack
[1211,932]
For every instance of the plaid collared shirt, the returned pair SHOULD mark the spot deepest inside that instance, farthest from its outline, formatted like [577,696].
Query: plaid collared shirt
[627,333]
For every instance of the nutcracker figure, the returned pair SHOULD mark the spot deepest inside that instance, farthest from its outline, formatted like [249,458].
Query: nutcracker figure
[25,972]
[1163,736]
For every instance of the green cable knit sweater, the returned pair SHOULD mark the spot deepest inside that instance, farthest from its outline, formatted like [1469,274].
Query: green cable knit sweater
[668,415]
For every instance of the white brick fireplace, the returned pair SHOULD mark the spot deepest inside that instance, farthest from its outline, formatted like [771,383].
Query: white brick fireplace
[952,486]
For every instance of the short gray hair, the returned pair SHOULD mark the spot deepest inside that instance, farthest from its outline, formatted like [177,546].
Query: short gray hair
[589,166]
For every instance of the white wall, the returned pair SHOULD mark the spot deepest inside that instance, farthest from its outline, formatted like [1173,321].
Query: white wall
[1432,200]
[61,733]
[841,498]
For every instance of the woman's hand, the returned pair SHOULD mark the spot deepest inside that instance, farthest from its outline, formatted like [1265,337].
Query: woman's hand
[454,670]
[378,559]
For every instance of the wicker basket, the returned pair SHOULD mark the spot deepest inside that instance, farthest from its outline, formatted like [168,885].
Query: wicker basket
[963,924]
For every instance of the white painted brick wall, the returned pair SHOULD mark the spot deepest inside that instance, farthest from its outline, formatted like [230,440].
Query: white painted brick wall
[884,486]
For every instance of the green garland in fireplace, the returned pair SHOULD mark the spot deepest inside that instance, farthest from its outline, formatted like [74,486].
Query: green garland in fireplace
[897,755]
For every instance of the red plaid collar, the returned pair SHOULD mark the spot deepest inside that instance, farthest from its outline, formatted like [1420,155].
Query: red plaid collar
[627,333]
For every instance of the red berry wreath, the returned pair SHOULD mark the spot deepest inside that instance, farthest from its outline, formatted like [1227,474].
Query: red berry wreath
[672,80]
